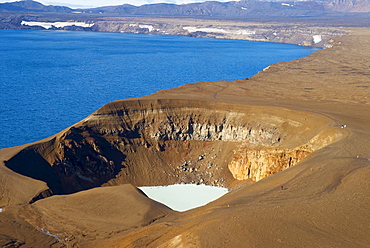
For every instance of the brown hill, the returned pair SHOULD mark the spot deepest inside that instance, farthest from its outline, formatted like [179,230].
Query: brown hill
[232,9]
[303,124]
[349,5]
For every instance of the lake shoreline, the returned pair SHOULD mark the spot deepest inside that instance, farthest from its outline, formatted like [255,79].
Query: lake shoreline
[299,32]
[290,33]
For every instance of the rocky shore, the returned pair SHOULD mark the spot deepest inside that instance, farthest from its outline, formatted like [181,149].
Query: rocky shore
[280,32]
[304,35]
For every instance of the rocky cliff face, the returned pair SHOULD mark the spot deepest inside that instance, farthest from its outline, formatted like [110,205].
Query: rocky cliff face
[281,33]
[157,142]
[259,161]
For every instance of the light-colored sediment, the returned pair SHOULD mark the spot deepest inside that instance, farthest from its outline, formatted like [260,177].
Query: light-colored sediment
[307,119]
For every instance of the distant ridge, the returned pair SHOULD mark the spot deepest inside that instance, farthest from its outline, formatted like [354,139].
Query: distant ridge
[210,8]
[32,6]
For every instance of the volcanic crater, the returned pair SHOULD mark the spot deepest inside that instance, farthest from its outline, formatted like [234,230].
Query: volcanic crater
[163,142]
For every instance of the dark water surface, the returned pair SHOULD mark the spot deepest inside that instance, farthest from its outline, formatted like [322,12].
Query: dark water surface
[50,80]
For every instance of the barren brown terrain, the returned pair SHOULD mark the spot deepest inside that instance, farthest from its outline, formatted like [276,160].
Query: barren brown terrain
[303,124]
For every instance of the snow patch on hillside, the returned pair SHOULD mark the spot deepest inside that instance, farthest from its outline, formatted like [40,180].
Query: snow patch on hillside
[219,30]
[48,25]
[317,38]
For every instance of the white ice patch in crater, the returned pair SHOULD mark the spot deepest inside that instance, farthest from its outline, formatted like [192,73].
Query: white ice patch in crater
[182,197]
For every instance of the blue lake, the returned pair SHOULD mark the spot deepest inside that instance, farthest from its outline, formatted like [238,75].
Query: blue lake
[50,80]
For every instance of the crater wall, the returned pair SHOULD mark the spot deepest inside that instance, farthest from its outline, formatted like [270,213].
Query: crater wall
[161,142]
